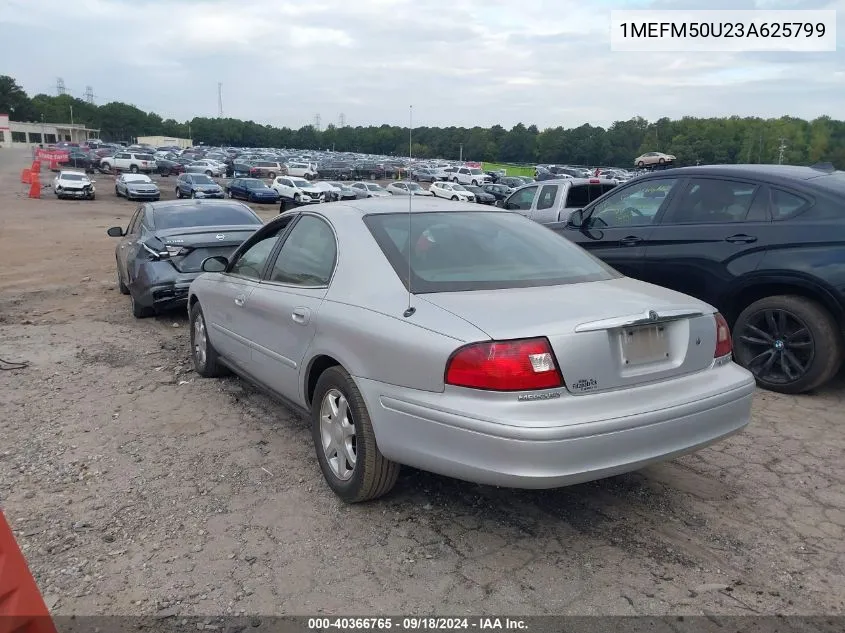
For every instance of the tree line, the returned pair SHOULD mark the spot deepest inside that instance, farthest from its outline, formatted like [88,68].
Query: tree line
[692,140]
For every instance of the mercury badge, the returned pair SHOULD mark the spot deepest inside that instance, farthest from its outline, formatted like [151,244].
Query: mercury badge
[220,236]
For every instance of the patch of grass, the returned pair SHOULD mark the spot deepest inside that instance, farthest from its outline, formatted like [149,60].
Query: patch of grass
[513,170]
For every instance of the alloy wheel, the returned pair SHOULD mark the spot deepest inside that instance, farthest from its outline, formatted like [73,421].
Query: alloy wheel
[778,346]
[337,434]
[200,341]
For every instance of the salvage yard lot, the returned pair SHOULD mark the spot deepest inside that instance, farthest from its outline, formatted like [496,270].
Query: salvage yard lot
[136,487]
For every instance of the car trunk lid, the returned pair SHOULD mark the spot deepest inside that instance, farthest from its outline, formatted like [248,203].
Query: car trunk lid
[188,248]
[605,335]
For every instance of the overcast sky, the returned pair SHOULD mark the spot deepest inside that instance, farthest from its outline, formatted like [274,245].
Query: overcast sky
[459,62]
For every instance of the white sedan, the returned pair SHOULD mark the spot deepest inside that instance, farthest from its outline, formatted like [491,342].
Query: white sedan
[452,191]
[73,184]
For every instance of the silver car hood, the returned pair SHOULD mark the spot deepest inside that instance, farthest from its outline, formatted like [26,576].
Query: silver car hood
[553,310]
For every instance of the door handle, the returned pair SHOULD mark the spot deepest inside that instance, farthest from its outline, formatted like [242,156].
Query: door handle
[240,300]
[301,315]
[741,239]
[631,240]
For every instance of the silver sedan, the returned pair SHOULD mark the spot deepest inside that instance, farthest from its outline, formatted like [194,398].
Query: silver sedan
[501,353]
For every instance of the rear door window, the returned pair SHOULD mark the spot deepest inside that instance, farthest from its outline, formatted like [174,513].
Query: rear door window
[579,196]
[711,201]
[786,205]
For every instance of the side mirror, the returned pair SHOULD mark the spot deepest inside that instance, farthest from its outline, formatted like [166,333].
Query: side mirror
[115,231]
[576,219]
[216,264]
[510,206]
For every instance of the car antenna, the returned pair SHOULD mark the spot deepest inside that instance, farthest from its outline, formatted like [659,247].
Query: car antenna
[411,309]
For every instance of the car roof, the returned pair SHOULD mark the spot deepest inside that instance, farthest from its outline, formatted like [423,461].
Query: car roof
[773,173]
[72,171]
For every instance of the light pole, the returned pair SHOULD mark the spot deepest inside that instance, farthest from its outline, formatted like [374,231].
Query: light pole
[461,154]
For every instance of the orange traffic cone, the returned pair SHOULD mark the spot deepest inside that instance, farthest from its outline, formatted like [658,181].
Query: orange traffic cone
[26,176]
[35,186]
[22,609]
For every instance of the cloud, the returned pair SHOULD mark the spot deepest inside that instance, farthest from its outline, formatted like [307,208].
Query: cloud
[459,62]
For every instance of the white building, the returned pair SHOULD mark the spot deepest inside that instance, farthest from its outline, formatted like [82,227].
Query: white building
[17,134]
[165,141]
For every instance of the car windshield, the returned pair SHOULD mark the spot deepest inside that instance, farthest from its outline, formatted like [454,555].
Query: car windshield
[184,216]
[73,177]
[300,182]
[414,186]
[464,251]
[375,187]
[457,187]
[476,172]
[203,180]
[255,184]
[138,178]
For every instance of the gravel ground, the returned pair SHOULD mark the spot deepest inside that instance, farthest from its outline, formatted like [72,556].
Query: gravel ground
[136,487]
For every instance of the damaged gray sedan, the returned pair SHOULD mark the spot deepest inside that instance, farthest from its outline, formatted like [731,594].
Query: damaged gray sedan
[165,244]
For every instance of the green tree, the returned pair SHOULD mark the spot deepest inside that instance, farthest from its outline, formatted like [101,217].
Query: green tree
[14,101]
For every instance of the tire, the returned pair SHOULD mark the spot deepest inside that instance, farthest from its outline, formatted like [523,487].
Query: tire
[134,169]
[209,173]
[455,198]
[139,311]
[193,195]
[641,164]
[272,175]
[203,354]
[474,183]
[116,192]
[122,287]
[661,161]
[820,350]
[178,192]
[297,198]
[229,193]
[372,176]
[93,196]
[372,475]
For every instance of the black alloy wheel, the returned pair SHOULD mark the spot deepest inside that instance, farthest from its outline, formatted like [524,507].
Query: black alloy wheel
[791,344]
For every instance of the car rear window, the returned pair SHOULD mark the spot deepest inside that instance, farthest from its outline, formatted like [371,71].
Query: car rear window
[183,216]
[472,250]
[144,157]
[580,196]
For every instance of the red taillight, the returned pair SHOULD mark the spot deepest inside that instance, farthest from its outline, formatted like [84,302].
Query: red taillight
[594,181]
[521,365]
[723,337]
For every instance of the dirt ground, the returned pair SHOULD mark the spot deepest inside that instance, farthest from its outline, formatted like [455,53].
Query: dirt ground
[136,487]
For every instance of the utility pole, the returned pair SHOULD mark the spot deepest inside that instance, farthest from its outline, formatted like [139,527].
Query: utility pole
[317,124]
[89,94]
[461,154]
[341,120]
[220,99]
[760,150]
[60,87]
[781,148]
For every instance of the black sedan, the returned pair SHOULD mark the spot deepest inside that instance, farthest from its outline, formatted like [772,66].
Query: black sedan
[481,196]
[167,167]
[252,190]
[497,190]
[163,248]
[762,243]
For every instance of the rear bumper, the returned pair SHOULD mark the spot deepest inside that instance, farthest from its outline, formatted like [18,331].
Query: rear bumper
[429,431]
[162,287]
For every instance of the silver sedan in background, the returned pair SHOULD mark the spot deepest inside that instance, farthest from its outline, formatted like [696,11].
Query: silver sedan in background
[474,344]
[136,187]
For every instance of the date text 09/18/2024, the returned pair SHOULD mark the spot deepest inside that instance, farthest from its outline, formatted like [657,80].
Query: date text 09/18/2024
[416,623]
